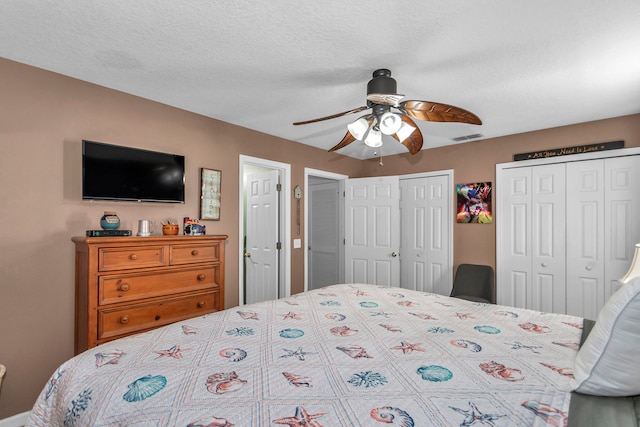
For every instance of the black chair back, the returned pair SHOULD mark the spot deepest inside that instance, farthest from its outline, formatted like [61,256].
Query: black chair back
[475,283]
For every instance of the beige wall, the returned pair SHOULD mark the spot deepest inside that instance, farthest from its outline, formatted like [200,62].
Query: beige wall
[44,117]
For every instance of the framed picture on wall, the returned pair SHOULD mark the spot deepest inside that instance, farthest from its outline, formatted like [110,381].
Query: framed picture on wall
[210,194]
[474,203]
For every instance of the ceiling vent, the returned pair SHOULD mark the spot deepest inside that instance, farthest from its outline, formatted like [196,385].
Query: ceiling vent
[468,137]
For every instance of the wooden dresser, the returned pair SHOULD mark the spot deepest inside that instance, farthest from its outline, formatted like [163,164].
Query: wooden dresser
[125,285]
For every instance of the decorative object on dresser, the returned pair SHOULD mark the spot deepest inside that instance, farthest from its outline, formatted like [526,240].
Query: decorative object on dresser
[126,285]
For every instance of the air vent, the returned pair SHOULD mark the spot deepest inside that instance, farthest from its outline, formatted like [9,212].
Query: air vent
[468,137]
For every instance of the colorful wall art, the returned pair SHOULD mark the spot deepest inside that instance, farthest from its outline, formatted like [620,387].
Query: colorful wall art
[474,203]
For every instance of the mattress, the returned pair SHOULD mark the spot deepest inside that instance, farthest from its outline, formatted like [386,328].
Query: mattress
[344,355]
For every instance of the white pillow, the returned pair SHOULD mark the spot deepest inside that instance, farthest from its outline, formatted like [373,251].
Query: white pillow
[608,363]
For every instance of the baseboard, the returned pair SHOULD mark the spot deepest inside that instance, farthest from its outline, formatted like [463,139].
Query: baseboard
[15,421]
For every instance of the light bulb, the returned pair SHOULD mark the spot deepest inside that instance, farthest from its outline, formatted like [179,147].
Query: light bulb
[390,123]
[374,138]
[404,132]
[358,128]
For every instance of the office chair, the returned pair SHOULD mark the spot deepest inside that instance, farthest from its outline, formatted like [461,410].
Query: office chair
[475,283]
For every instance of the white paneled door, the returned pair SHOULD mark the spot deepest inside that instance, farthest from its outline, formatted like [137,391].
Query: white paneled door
[622,207]
[425,217]
[585,238]
[566,231]
[602,229]
[532,261]
[262,234]
[372,231]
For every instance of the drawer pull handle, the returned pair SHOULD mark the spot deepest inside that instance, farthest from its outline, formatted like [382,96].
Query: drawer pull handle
[195,252]
[124,287]
[201,277]
[124,320]
[133,257]
[157,317]
[202,304]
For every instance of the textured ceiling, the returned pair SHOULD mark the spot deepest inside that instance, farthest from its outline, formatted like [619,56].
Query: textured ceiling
[520,66]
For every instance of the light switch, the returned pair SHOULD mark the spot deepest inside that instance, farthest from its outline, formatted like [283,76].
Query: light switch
[297,243]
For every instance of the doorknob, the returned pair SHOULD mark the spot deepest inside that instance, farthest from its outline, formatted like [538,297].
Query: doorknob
[247,255]
[393,254]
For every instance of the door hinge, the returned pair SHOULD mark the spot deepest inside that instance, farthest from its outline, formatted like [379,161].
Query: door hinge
[278,187]
[344,242]
[278,245]
[344,194]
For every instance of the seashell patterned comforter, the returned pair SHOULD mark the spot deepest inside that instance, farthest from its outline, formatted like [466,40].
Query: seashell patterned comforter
[344,355]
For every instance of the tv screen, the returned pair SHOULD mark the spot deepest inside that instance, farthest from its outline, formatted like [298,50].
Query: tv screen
[113,172]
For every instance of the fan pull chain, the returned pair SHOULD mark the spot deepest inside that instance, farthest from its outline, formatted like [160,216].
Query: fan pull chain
[375,153]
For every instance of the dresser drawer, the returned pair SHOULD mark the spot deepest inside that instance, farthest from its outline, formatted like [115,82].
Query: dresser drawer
[127,320]
[121,288]
[191,254]
[110,259]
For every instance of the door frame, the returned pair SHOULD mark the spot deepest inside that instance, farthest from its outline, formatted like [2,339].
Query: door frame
[285,222]
[320,174]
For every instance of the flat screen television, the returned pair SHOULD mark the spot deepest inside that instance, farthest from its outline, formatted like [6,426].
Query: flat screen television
[113,172]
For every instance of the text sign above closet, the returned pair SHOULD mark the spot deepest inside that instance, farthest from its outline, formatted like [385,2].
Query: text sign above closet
[578,149]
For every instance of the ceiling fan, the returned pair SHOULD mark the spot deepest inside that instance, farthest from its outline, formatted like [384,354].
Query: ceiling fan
[391,116]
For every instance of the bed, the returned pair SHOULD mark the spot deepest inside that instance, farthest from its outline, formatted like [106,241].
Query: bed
[344,355]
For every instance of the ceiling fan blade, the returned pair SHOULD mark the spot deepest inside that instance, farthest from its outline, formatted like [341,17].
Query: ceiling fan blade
[348,139]
[434,112]
[414,141]
[333,116]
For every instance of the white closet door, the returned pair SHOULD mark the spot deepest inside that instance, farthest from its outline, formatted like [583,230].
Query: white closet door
[372,231]
[622,227]
[425,217]
[261,257]
[585,238]
[548,239]
[531,268]
[514,221]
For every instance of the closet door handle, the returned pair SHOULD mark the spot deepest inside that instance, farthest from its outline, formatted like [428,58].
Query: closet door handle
[394,254]
[588,268]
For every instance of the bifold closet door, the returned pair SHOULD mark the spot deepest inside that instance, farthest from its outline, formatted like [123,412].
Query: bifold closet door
[602,229]
[531,267]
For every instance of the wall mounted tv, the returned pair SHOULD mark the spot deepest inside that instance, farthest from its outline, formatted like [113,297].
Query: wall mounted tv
[113,172]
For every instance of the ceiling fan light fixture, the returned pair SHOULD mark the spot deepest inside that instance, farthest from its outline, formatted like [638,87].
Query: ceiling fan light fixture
[374,138]
[405,131]
[390,123]
[358,128]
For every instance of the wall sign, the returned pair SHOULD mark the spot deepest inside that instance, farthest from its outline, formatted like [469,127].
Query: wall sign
[578,149]
[210,193]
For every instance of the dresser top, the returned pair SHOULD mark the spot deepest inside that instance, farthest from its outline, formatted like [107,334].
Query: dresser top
[159,239]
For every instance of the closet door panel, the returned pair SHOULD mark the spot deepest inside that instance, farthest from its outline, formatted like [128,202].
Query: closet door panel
[514,268]
[622,201]
[548,238]
[585,237]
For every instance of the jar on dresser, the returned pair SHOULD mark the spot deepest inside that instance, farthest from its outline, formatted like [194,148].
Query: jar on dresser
[126,285]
